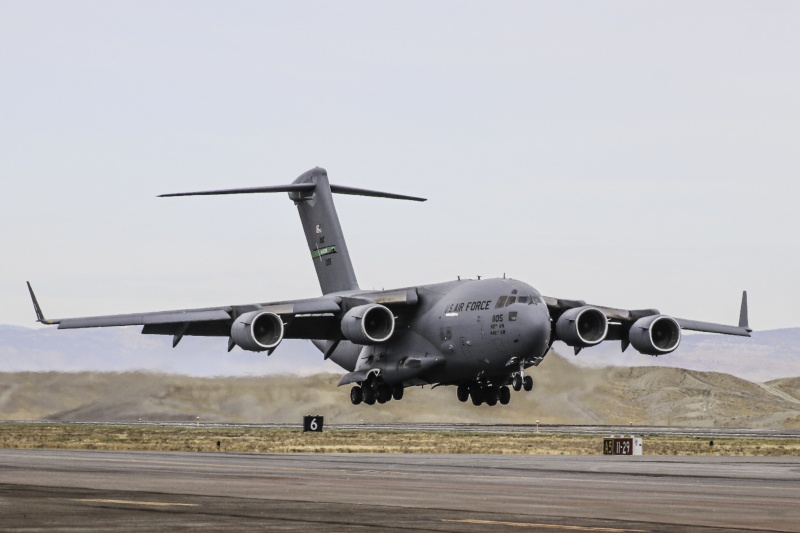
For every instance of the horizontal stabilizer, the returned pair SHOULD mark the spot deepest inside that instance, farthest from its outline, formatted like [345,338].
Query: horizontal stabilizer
[299,187]
[294,187]
[341,189]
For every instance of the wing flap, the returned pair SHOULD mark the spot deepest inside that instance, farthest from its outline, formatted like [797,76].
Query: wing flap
[214,328]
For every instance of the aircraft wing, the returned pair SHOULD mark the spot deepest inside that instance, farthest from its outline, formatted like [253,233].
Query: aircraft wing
[312,318]
[624,323]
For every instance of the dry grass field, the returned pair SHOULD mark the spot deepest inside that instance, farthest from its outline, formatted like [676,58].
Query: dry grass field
[279,440]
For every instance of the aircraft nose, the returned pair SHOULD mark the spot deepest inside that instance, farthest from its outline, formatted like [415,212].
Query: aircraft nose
[533,322]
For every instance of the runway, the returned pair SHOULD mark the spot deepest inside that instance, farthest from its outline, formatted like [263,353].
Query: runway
[134,491]
[562,429]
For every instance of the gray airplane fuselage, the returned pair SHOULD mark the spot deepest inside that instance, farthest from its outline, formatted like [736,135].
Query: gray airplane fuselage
[459,330]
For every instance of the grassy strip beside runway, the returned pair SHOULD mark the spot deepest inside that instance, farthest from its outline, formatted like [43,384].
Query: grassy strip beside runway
[289,440]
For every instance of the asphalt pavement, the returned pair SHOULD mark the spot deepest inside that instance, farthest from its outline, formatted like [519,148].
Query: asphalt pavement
[60,490]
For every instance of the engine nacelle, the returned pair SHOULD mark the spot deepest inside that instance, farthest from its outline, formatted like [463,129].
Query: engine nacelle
[257,331]
[655,335]
[368,324]
[582,327]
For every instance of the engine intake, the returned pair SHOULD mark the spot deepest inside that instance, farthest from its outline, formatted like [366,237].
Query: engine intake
[582,327]
[257,331]
[655,335]
[368,324]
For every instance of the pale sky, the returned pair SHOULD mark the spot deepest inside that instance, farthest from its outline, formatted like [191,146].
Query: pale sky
[631,154]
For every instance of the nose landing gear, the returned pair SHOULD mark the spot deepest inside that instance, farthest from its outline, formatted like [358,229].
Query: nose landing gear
[518,382]
[527,383]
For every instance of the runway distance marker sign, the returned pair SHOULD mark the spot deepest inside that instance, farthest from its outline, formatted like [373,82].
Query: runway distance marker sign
[622,445]
[313,423]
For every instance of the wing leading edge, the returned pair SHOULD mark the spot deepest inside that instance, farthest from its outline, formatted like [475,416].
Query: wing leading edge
[312,318]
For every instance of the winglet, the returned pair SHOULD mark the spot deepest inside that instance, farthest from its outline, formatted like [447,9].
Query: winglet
[743,319]
[39,315]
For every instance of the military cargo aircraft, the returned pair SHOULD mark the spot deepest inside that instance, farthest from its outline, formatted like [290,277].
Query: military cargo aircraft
[479,335]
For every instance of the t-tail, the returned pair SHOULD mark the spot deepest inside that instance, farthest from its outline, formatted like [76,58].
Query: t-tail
[312,194]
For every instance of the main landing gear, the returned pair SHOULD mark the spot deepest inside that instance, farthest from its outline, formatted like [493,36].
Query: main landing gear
[491,394]
[375,390]
[483,393]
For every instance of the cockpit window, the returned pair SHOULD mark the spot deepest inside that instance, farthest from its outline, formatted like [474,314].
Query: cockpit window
[505,301]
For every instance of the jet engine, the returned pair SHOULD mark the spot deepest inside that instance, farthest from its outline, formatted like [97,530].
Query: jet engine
[257,331]
[655,335]
[368,324]
[582,327]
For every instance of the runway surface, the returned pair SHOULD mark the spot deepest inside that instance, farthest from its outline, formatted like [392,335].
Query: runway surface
[62,490]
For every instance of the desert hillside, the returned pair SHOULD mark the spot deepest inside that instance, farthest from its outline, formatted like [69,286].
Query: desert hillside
[564,393]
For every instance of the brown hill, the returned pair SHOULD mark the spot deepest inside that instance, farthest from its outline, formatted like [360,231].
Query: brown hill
[790,386]
[564,393]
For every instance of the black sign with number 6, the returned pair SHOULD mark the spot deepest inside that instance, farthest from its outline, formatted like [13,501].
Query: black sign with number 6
[312,423]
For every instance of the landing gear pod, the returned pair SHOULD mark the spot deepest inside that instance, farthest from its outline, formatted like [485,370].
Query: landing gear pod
[368,324]
[582,327]
[257,331]
[655,335]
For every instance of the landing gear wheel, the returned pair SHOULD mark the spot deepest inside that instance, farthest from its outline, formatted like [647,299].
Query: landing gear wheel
[397,393]
[490,395]
[527,383]
[516,382]
[369,395]
[477,397]
[504,395]
[356,396]
[463,393]
[384,393]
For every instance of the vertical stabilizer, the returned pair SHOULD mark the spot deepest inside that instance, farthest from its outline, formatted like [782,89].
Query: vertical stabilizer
[312,194]
[324,233]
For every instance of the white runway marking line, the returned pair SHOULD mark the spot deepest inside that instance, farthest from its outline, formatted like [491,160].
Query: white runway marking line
[545,526]
[135,502]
